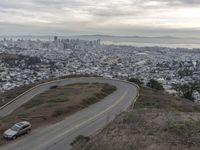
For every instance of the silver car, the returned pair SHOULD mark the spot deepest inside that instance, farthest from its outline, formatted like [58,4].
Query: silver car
[17,130]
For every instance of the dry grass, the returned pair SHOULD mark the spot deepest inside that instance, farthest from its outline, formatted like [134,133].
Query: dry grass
[54,105]
[158,121]
[11,94]
[150,98]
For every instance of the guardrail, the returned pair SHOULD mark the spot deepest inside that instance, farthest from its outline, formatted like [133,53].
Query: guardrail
[29,91]
[138,92]
[60,80]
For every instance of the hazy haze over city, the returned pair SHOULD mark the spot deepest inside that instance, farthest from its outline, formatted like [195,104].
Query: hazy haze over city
[114,17]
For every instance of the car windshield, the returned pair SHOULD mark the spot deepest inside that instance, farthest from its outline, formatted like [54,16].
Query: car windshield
[15,128]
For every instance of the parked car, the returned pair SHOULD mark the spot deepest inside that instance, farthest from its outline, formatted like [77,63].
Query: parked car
[17,130]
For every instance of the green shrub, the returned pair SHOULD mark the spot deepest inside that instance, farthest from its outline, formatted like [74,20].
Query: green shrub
[80,139]
[89,101]
[136,81]
[155,85]
[185,129]
[33,103]
[58,112]
[108,89]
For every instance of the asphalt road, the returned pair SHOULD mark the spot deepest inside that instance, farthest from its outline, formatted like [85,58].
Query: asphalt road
[85,122]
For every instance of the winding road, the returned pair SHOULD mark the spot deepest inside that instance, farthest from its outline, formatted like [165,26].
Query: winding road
[85,122]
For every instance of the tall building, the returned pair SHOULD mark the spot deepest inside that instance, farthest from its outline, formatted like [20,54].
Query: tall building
[55,38]
[98,42]
[56,41]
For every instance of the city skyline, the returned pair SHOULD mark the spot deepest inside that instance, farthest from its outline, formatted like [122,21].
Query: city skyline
[112,17]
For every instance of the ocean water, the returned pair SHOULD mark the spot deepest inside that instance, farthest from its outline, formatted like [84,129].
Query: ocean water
[171,42]
[170,45]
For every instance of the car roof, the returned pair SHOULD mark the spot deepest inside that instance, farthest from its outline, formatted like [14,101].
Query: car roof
[22,123]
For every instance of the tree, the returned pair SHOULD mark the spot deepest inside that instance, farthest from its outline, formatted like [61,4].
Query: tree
[155,85]
[135,80]
[186,90]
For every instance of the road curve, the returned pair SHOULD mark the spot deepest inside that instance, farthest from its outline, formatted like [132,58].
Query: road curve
[85,122]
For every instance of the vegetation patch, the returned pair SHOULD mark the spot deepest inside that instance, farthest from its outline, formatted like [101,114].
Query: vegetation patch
[106,90]
[58,112]
[79,139]
[136,81]
[150,98]
[158,121]
[11,94]
[57,95]
[187,130]
[57,103]
[155,85]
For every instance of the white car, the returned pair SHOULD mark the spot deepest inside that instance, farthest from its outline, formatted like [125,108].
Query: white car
[17,130]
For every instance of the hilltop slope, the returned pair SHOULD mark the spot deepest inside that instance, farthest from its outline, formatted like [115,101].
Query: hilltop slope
[158,121]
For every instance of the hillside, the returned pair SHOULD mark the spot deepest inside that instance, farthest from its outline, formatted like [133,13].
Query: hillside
[158,121]
[55,104]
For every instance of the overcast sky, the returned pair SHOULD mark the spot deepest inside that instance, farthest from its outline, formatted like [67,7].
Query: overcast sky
[113,17]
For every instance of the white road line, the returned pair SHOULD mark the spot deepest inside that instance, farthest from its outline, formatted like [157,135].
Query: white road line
[86,121]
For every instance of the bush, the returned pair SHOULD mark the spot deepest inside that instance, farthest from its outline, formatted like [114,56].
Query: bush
[80,139]
[135,80]
[155,85]
[186,90]
[58,112]
[100,95]
[187,131]
[34,103]
[108,89]
[89,101]
[105,91]
[182,128]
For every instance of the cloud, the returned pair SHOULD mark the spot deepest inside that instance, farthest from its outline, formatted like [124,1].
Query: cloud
[113,16]
[184,2]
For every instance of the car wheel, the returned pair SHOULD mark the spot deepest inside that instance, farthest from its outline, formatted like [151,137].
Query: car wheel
[14,137]
[28,131]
